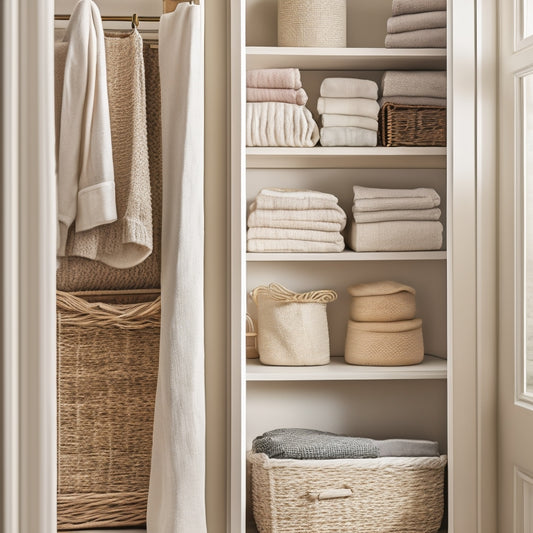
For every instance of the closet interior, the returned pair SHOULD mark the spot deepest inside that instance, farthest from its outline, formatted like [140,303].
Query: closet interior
[378,402]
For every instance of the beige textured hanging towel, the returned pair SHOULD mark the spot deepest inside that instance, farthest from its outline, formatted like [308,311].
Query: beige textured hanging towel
[128,241]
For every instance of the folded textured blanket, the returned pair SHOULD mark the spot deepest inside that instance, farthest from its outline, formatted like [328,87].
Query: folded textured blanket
[401,214]
[291,199]
[432,38]
[330,121]
[272,245]
[396,236]
[417,21]
[413,100]
[274,78]
[364,107]
[296,443]
[289,96]
[403,7]
[374,199]
[313,219]
[279,124]
[295,235]
[348,136]
[349,88]
[427,83]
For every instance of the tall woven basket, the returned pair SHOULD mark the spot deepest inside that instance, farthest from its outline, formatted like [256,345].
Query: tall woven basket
[107,362]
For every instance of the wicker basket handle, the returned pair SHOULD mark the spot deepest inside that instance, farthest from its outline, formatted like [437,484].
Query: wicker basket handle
[282,294]
[330,494]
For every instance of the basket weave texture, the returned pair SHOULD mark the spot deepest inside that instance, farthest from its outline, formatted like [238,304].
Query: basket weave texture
[410,125]
[107,363]
[385,495]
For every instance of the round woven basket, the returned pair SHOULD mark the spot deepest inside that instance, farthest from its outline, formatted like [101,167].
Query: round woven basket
[314,23]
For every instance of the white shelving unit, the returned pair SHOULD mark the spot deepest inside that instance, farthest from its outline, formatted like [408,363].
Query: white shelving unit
[348,256]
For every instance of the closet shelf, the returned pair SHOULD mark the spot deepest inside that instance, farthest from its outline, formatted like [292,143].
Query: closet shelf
[431,368]
[346,157]
[346,58]
[347,256]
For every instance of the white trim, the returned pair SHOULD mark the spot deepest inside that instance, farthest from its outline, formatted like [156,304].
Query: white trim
[523,498]
[520,42]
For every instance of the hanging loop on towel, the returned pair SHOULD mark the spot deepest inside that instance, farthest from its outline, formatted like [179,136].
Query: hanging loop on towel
[134,21]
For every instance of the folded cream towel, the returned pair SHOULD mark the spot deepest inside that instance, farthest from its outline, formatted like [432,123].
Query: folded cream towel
[279,124]
[349,88]
[417,21]
[289,96]
[348,136]
[271,245]
[294,235]
[293,199]
[330,121]
[403,7]
[425,83]
[433,38]
[401,214]
[397,236]
[274,78]
[374,199]
[365,107]
[413,100]
[315,219]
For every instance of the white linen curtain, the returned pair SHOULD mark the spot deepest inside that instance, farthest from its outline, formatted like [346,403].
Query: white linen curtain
[176,500]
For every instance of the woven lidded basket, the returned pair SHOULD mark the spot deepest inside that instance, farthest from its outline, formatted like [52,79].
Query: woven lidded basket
[315,23]
[107,363]
[384,343]
[410,125]
[384,495]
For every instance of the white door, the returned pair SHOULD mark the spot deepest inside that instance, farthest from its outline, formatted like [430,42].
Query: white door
[516,267]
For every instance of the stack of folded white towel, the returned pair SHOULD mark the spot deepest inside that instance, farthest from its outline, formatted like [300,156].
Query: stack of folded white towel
[414,87]
[275,110]
[387,220]
[288,220]
[417,24]
[349,112]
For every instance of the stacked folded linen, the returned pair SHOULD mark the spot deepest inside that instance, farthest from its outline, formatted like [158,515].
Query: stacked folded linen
[275,110]
[386,220]
[414,87]
[417,24]
[287,220]
[349,112]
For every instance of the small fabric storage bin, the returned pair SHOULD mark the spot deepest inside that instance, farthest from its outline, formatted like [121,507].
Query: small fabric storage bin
[312,23]
[411,125]
[384,495]
[107,366]
[251,339]
[384,343]
[292,328]
[382,301]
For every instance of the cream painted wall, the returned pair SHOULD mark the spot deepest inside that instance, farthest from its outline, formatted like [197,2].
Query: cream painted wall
[216,270]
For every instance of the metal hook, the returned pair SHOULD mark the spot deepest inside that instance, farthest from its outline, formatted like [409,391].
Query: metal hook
[134,21]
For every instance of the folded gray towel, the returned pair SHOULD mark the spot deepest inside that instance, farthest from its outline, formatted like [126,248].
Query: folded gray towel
[412,100]
[407,448]
[427,83]
[417,21]
[433,38]
[403,7]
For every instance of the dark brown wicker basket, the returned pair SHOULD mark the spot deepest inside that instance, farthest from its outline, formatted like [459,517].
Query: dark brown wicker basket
[410,125]
[107,362]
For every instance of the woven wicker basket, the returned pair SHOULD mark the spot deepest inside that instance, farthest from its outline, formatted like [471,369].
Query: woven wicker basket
[409,125]
[385,495]
[107,362]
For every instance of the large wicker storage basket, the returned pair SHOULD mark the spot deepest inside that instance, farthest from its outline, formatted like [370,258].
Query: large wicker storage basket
[385,495]
[107,362]
[410,125]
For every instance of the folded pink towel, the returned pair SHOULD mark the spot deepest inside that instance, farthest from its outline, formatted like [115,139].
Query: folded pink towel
[274,78]
[403,7]
[287,96]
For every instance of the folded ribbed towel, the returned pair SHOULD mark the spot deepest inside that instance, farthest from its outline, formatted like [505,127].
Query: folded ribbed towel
[349,88]
[279,124]
[432,38]
[313,219]
[401,214]
[348,136]
[374,199]
[396,236]
[417,21]
[289,96]
[274,78]
[295,235]
[426,83]
[403,7]
[272,245]
[413,100]
[291,199]
[364,107]
[330,121]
